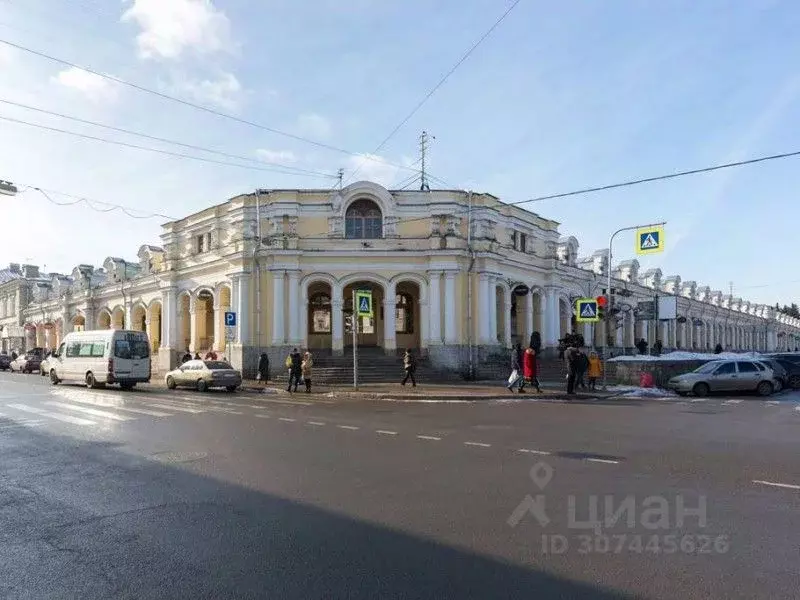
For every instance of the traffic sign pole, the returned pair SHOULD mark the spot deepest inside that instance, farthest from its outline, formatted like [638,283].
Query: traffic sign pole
[608,293]
[354,327]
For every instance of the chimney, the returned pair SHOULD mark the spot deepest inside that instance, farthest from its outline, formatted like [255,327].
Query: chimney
[15,268]
[30,271]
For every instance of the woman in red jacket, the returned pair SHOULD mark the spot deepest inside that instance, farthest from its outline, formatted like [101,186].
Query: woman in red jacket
[529,368]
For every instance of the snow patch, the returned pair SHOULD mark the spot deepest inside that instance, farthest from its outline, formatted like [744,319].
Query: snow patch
[629,391]
[681,355]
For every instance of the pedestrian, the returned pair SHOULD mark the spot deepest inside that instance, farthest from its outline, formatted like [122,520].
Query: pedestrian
[14,355]
[186,357]
[658,347]
[642,346]
[595,370]
[571,357]
[529,368]
[409,366]
[718,349]
[211,355]
[305,367]
[197,356]
[294,361]
[517,376]
[582,366]
[263,368]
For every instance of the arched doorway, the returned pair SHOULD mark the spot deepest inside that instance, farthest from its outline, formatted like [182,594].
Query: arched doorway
[407,315]
[370,328]
[138,318]
[320,316]
[104,319]
[78,323]
[204,321]
[118,318]
[154,313]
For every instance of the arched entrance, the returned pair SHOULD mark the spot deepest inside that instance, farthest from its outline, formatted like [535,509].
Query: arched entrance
[118,318]
[104,319]
[154,333]
[407,315]
[320,316]
[138,318]
[78,323]
[370,328]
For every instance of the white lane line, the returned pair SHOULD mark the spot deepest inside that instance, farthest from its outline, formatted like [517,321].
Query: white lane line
[234,412]
[528,451]
[603,460]
[287,419]
[429,437]
[193,411]
[52,415]
[733,401]
[788,486]
[263,416]
[284,402]
[385,432]
[773,402]
[698,400]
[316,423]
[89,411]
[349,427]
[481,444]
[141,411]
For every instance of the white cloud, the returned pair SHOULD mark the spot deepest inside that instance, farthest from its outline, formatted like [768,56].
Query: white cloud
[314,126]
[225,91]
[276,156]
[170,27]
[372,167]
[95,88]
[7,55]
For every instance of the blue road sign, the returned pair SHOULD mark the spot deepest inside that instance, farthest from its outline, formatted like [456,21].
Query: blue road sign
[586,310]
[230,319]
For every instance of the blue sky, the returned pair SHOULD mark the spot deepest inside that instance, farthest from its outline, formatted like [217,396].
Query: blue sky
[562,96]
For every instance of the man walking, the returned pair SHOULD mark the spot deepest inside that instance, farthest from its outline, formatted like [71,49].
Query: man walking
[409,366]
[295,369]
[582,366]
[571,356]
[517,375]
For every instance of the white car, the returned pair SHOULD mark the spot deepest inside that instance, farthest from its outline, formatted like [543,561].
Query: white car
[203,375]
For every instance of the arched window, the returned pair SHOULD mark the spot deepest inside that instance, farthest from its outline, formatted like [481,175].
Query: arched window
[320,307]
[363,221]
[404,314]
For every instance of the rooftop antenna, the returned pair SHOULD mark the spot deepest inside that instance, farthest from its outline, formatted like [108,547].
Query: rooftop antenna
[424,140]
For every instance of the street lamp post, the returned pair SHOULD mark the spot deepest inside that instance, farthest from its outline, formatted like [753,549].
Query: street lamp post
[608,289]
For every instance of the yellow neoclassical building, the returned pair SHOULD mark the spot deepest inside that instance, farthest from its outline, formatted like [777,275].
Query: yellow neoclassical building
[455,275]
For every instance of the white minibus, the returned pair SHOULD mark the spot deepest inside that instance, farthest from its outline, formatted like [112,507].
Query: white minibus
[103,356]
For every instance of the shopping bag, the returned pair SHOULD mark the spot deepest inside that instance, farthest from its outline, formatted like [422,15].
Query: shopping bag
[513,377]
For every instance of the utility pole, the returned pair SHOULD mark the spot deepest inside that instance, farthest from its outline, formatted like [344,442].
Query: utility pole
[354,327]
[340,175]
[424,140]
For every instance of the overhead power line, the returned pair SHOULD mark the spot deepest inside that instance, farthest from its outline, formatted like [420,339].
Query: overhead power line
[165,140]
[441,81]
[156,150]
[92,204]
[199,107]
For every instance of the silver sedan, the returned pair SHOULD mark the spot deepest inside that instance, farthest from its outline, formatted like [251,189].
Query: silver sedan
[726,376]
[203,375]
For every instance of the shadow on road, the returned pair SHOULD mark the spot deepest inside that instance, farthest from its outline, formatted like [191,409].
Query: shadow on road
[82,519]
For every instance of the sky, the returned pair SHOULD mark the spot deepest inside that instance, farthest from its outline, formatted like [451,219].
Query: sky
[560,97]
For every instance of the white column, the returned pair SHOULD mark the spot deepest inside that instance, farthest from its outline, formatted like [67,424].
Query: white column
[646,331]
[435,307]
[169,312]
[241,301]
[424,323]
[389,324]
[450,308]
[127,316]
[294,309]
[278,300]
[493,332]
[619,340]
[47,342]
[218,329]
[193,327]
[528,316]
[552,318]
[506,318]
[337,318]
[482,315]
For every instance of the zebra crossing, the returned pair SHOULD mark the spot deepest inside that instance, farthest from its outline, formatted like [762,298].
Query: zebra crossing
[87,408]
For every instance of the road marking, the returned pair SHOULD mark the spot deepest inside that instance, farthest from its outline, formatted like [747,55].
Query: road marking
[52,415]
[350,427]
[89,411]
[733,402]
[698,400]
[193,411]
[773,402]
[797,408]
[234,412]
[603,460]
[298,402]
[142,411]
[385,432]
[528,451]
[263,416]
[316,423]
[788,486]
[287,419]
[481,444]
[430,437]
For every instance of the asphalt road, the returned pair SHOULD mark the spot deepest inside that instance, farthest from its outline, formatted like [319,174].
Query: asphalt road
[153,494]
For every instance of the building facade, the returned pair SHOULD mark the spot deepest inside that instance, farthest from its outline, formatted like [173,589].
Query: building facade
[454,274]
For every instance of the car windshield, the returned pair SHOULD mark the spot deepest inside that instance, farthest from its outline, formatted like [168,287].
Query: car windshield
[708,367]
[215,365]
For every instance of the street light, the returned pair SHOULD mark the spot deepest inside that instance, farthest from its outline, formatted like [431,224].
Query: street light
[608,289]
[7,188]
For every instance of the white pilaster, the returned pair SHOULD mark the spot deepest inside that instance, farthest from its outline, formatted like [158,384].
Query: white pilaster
[193,328]
[434,308]
[295,337]
[169,312]
[337,318]
[528,317]
[493,332]
[389,324]
[506,318]
[552,318]
[450,308]
[482,314]
[278,300]
[218,328]
[241,301]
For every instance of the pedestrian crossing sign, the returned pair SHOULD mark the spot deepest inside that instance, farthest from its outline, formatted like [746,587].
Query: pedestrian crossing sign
[650,240]
[586,310]
[364,303]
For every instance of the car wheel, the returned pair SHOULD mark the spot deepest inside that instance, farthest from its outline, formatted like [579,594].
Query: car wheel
[90,380]
[794,382]
[231,388]
[54,378]
[171,383]
[202,386]
[700,389]
[764,388]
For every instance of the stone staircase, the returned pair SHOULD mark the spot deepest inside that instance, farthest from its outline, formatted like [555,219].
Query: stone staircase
[497,367]
[374,366]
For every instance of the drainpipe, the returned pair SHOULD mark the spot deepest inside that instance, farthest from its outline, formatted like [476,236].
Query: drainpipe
[469,284]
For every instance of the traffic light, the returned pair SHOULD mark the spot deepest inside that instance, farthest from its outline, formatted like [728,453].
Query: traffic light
[602,305]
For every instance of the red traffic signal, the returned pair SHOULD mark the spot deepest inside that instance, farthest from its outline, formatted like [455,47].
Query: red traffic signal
[602,301]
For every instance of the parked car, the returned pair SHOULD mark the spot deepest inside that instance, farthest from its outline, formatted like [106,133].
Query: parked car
[203,375]
[5,362]
[44,367]
[726,376]
[792,357]
[27,363]
[792,372]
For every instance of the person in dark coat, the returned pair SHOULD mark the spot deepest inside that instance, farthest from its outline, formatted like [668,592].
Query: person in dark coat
[295,369]
[516,367]
[642,346]
[263,368]
[571,357]
[718,349]
[186,357]
[409,366]
[657,347]
[582,365]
